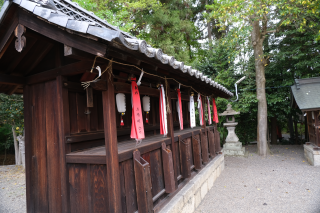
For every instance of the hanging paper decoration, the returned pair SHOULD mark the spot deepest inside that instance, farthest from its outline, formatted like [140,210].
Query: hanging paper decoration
[121,105]
[215,113]
[163,112]
[146,106]
[192,112]
[209,111]
[179,109]
[200,108]
[137,130]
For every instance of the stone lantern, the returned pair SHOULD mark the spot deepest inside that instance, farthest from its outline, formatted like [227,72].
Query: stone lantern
[232,145]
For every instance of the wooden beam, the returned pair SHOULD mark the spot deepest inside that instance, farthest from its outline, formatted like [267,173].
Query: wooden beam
[8,36]
[6,46]
[62,36]
[70,69]
[111,145]
[13,80]
[41,55]
[11,68]
[77,54]
[13,89]
[120,87]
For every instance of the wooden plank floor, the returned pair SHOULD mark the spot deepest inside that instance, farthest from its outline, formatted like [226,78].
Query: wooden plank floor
[125,148]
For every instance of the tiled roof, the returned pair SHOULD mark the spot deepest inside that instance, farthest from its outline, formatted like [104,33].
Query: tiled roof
[306,93]
[71,16]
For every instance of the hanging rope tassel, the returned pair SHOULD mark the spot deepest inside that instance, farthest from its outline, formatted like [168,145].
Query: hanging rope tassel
[121,123]
[147,118]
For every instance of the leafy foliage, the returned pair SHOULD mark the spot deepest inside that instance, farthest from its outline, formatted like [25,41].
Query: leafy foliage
[6,138]
[11,114]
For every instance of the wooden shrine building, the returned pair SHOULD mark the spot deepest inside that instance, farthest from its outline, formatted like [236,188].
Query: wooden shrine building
[78,156]
[306,96]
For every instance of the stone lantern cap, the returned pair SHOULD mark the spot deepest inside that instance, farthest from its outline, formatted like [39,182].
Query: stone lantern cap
[229,111]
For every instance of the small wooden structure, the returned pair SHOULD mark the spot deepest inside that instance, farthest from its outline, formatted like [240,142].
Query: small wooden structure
[78,157]
[306,97]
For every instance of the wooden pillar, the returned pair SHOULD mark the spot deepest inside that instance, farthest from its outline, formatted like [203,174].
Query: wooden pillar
[171,135]
[112,161]
[28,114]
[64,130]
[46,124]
[306,134]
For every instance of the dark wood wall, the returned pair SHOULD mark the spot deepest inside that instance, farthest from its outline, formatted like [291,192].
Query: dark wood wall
[313,126]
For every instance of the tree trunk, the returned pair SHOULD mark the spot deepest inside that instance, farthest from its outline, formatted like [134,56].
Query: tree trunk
[22,149]
[209,30]
[260,84]
[290,127]
[273,130]
[16,147]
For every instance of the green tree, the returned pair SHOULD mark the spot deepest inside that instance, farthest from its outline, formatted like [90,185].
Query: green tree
[262,18]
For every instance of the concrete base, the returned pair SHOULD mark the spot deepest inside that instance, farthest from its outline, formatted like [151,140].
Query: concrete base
[312,156]
[233,149]
[190,196]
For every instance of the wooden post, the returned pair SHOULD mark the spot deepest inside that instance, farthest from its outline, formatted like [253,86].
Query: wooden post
[185,157]
[204,107]
[211,144]
[143,183]
[28,115]
[196,152]
[112,161]
[168,169]
[171,135]
[204,141]
[204,146]
[216,139]
[64,148]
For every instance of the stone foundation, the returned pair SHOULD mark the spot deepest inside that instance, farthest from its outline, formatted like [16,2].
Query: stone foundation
[312,156]
[190,196]
[233,149]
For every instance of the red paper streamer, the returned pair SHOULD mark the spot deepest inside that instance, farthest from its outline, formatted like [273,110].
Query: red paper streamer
[137,130]
[215,113]
[180,109]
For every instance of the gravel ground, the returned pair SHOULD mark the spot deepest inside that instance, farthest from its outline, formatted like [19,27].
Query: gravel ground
[12,189]
[282,182]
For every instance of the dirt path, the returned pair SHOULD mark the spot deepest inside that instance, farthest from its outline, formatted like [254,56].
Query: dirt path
[283,182]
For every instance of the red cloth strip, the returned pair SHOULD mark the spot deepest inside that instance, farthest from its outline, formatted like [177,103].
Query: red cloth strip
[137,130]
[215,113]
[163,112]
[180,109]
